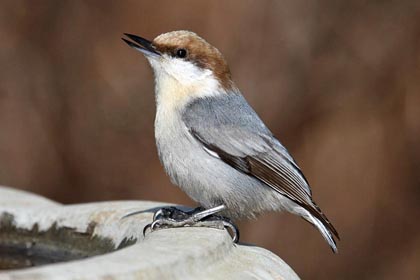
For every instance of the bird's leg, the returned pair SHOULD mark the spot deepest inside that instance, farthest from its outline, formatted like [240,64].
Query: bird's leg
[172,217]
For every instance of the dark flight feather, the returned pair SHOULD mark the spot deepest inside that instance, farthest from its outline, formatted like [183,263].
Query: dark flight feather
[274,174]
[237,135]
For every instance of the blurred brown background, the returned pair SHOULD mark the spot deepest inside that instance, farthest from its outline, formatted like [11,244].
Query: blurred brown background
[337,81]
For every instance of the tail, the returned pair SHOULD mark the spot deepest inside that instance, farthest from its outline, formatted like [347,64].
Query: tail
[311,213]
[326,233]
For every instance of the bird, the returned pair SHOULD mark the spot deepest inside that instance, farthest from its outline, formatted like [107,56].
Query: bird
[214,146]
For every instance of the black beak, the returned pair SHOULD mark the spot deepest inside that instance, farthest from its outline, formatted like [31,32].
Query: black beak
[143,45]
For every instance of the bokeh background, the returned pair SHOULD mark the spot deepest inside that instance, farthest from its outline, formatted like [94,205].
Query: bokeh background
[337,81]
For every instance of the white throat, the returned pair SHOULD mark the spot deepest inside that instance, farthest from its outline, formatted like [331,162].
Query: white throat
[178,81]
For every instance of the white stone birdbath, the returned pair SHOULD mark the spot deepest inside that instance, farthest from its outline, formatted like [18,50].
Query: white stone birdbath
[42,239]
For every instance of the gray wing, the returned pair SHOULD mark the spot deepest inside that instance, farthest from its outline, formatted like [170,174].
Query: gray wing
[228,126]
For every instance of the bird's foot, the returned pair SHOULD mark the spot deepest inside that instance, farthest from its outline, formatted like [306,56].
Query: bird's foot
[172,217]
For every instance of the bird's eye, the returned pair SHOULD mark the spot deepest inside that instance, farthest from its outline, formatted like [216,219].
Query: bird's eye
[181,53]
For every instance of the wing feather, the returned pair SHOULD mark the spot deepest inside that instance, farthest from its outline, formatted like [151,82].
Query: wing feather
[241,140]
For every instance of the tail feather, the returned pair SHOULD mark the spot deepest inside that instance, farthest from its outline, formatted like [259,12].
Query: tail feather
[326,233]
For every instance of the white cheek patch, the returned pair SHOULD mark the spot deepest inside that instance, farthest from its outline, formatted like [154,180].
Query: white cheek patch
[178,81]
[184,72]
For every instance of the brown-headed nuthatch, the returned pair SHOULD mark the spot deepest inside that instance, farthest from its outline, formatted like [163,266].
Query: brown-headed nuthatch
[212,143]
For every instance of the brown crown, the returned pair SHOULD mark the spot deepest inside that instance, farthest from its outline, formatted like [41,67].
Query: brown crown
[199,52]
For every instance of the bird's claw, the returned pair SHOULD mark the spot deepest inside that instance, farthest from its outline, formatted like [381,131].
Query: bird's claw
[173,218]
[220,222]
[234,229]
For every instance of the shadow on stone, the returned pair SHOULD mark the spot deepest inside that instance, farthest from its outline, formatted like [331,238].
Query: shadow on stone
[21,248]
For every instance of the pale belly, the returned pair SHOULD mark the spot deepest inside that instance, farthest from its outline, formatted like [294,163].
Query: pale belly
[207,179]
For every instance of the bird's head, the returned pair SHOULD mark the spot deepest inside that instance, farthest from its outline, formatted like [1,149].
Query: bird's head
[183,60]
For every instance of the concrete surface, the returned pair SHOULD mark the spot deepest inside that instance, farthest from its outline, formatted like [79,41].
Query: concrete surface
[93,242]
